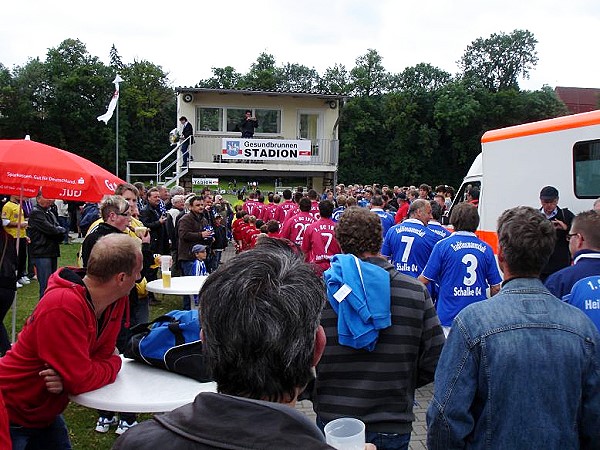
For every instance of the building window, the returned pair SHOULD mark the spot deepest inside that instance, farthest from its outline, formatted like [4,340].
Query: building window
[209,119]
[269,120]
[586,168]
[229,119]
[234,119]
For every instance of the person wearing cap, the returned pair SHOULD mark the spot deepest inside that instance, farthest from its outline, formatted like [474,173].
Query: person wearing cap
[561,218]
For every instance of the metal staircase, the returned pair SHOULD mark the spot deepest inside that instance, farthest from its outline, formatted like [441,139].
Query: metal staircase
[167,171]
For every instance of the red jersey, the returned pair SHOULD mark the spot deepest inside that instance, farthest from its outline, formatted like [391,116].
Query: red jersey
[319,243]
[247,239]
[402,212]
[285,210]
[259,210]
[269,212]
[250,207]
[293,228]
[314,210]
[237,229]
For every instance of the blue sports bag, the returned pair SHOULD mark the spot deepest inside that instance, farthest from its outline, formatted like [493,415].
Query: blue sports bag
[171,342]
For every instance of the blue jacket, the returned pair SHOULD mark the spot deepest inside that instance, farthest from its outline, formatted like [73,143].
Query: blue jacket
[586,264]
[518,371]
[360,313]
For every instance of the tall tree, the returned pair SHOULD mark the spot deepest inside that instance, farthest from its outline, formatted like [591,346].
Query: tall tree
[115,59]
[422,77]
[336,80]
[298,78]
[223,78]
[263,74]
[149,108]
[369,77]
[498,61]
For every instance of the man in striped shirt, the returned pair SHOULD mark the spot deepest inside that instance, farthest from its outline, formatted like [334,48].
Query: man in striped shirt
[375,384]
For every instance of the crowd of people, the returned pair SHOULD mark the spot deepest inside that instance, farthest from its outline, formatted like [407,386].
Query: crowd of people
[353,298]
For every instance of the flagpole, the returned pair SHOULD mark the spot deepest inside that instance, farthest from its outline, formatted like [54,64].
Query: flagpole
[117,144]
[114,104]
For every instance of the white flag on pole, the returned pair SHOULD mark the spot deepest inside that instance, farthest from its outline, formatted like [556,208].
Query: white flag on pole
[113,102]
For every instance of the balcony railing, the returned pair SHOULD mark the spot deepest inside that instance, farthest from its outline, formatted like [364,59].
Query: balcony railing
[208,149]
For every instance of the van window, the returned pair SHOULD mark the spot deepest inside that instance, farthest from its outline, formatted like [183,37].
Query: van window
[586,169]
[461,196]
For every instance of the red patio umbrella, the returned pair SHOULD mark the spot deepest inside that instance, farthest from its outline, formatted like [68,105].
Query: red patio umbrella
[26,166]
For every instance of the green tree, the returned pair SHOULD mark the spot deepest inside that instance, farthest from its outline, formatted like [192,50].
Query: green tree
[336,80]
[263,74]
[148,104]
[223,78]
[422,77]
[498,61]
[115,59]
[298,78]
[369,77]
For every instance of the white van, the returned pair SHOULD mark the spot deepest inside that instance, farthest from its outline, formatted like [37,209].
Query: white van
[515,163]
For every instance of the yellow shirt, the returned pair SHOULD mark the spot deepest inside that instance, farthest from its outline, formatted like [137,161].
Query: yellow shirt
[11,212]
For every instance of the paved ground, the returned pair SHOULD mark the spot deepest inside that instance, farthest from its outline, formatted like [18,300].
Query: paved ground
[423,397]
[418,439]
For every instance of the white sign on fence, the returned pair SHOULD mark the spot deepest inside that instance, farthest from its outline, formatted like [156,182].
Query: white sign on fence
[205,181]
[266,149]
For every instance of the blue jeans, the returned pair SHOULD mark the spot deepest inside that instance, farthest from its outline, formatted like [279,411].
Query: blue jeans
[383,441]
[185,153]
[187,268]
[54,437]
[44,268]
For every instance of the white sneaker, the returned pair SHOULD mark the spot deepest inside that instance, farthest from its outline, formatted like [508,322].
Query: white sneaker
[24,280]
[124,426]
[103,424]
[19,285]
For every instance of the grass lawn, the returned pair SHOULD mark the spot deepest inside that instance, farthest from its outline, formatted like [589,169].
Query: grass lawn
[80,420]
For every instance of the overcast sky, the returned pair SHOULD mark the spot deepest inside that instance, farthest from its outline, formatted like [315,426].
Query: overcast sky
[187,38]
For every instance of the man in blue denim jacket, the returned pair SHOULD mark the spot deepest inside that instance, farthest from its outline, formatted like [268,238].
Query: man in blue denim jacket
[522,369]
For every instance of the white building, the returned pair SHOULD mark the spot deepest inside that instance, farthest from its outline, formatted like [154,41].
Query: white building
[284,119]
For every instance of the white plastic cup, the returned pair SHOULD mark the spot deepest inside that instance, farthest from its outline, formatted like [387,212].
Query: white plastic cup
[345,433]
[165,263]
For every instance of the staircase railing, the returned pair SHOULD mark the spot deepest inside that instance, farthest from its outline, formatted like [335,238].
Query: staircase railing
[167,171]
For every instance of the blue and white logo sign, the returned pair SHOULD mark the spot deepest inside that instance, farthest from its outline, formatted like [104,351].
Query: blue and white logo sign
[233,148]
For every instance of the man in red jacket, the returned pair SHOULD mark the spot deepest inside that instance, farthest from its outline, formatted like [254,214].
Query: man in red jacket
[72,332]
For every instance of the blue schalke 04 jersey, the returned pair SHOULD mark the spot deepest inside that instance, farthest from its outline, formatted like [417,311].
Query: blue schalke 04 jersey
[463,266]
[409,245]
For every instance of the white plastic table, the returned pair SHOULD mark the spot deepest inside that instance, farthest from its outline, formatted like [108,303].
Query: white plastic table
[143,388]
[179,285]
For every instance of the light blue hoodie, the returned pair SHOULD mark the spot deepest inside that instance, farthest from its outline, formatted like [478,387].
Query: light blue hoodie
[359,293]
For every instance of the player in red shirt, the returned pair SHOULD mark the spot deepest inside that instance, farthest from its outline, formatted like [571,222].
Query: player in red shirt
[319,243]
[251,204]
[249,233]
[270,208]
[238,229]
[314,203]
[403,205]
[284,209]
[293,228]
